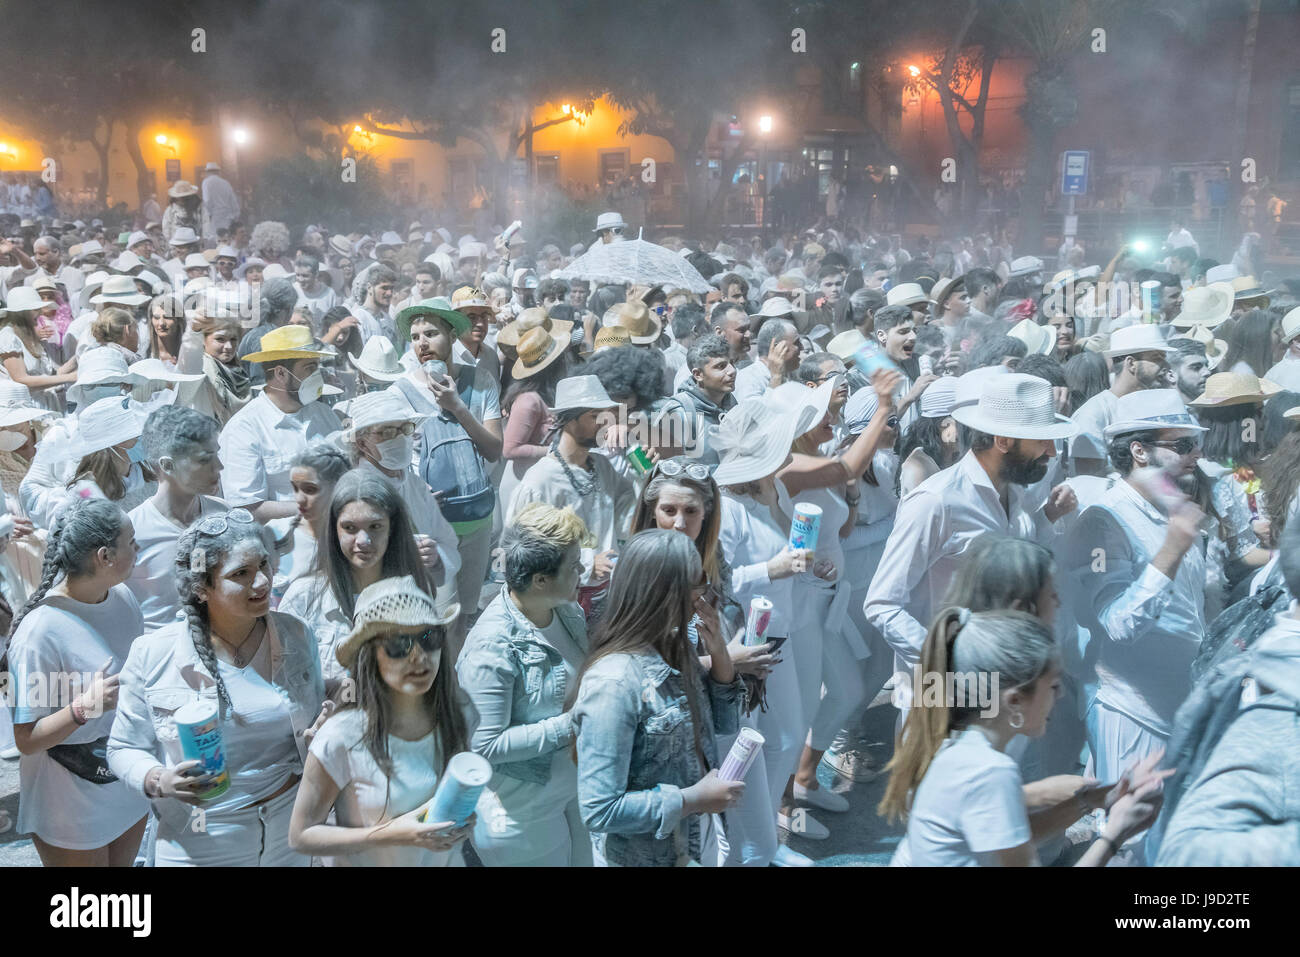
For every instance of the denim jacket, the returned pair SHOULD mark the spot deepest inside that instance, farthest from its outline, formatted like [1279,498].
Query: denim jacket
[636,751]
[517,683]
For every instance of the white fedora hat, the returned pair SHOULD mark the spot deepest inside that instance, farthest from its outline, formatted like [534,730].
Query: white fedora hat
[970,385]
[1025,266]
[212,167]
[1039,339]
[197,261]
[1016,406]
[1149,409]
[226,252]
[137,237]
[1226,272]
[941,397]
[126,262]
[1291,325]
[1205,306]
[378,360]
[1130,340]
[184,236]
[339,245]
[108,422]
[119,289]
[846,343]
[906,294]
[777,306]
[389,238]
[581,392]
[27,299]
[609,221]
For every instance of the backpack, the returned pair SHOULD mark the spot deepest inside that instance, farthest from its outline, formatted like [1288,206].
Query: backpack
[451,465]
[1238,626]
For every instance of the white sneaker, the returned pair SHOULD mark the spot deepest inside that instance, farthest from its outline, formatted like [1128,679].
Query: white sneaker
[823,798]
[851,764]
[10,754]
[803,824]
[788,858]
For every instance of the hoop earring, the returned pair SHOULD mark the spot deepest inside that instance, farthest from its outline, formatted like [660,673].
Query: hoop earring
[1017,720]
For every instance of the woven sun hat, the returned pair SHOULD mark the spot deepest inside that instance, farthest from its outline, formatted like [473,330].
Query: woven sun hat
[120,289]
[378,360]
[1215,349]
[437,306]
[1207,305]
[1235,388]
[906,294]
[384,407]
[288,342]
[1150,409]
[944,288]
[155,370]
[581,392]
[970,385]
[537,350]
[1040,340]
[1016,406]
[611,337]
[754,439]
[387,606]
[940,398]
[17,406]
[846,343]
[1131,340]
[1025,266]
[339,245]
[184,236]
[469,297]
[1248,287]
[28,299]
[182,188]
[107,422]
[641,324]
[533,318]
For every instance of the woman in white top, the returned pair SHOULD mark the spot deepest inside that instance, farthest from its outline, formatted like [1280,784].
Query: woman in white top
[69,644]
[313,475]
[107,432]
[22,353]
[257,668]
[211,346]
[166,328]
[377,762]
[983,678]
[368,537]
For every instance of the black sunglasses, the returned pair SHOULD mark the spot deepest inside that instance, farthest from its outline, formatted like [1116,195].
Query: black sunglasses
[1183,446]
[399,646]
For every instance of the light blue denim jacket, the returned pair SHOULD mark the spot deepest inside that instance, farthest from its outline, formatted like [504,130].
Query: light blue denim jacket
[636,751]
[517,682]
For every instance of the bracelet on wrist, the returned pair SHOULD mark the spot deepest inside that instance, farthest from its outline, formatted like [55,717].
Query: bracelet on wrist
[78,711]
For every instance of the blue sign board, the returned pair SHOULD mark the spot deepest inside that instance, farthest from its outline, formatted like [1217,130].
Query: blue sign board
[1074,173]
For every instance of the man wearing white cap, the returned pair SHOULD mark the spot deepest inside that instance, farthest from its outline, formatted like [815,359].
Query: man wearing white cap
[1139,356]
[1134,559]
[1015,425]
[219,198]
[609,229]
[571,475]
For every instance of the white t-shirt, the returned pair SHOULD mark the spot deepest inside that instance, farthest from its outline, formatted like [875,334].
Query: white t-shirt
[969,805]
[367,797]
[1092,418]
[66,637]
[299,561]
[153,580]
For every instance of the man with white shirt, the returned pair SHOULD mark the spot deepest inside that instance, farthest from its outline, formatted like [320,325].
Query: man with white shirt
[1140,357]
[184,242]
[1015,425]
[47,255]
[778,357]
[219,198]
[373,313]
[260,441]
[1179,237]
[318,297]
[1134,559]
[17,266]
[1286,372]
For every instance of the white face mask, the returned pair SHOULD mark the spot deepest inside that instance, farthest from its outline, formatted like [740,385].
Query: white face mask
[395,453]
[12,441]
[310,388]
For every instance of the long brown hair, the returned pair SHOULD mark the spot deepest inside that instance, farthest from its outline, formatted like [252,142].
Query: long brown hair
[707,542]
[100,467]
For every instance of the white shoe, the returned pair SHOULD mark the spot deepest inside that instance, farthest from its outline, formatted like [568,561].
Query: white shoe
[803,824]
[788,858]
[10,754]
[851,764]
[823,798]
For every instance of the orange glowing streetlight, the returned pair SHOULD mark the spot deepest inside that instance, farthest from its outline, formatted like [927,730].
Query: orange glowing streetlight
[914,70]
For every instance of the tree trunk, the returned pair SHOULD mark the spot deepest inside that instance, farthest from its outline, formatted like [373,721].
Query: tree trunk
[144,182]
[1039,167]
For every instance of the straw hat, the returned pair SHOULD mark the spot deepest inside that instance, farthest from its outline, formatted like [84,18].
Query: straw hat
[27,299]
[533,318]
[970,385]
[108,422]
[1039,339]
[755,437]
[339,245]
[469,297]
[17,406]
[611,337]
[1205,306]
[642,325]
[1149,409]
[1225,272]
[1235,388]
[182,188]
[1248,287]
[288,342]
[906,294]
[846,343]
[537,349]
[942,289]
[437,306]
[1131,340]
[252,262]
[380,408]
[1024,266]
[378,360]
[1215,349]
[581,392]
[1016,406]
[386,606]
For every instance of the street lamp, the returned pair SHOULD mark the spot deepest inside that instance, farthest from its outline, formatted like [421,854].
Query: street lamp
[765,130]
[765,124]
[240,136]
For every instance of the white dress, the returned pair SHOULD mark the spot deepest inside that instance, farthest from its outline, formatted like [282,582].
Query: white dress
[34,365]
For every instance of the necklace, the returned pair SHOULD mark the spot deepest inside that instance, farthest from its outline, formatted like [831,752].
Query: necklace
[236,651]
[583,486]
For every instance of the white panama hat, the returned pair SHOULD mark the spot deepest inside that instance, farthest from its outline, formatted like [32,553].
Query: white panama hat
[1150,409]
[581,392]
[1130,340]
[609,221]
[378,360]
[1038,339]
[1209,306]
[906,294]
[1016,406]
[378,408]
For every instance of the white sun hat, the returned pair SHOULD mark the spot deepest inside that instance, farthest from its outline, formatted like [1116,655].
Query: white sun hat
[108,422]
[906,294]
[119,289]
[378,360]
[754,439]
[184,236]
[1016,406]
[609,221]
[846,343]
[940,398]
[98,366]
[1038,339]
[1130,340]
[1151,409]
[386,606]
[155,370]
[581,392]
[1025,266]
[197,261]
[380,408]
[1209,305]
[27,299]
[775,307]
[970,385]
[816,401]
[17,406]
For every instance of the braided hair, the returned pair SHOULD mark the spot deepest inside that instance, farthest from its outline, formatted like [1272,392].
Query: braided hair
[81,529]
[198,555]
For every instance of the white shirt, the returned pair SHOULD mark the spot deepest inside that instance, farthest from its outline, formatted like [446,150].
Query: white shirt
[936,523]
[753,380]
[258,444]
[1286,373]
[969,805]
[1145,628]
[68,276]
[222,203]
[298,561]
[311,600]
[319,304]
[749,536]
[153,580]
[1092,418]
[367,796]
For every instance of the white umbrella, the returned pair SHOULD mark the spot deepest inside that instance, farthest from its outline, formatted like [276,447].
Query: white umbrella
[635,261]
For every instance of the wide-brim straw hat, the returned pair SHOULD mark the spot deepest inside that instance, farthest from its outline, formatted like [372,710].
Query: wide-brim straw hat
[437,306]
[469,297]
[537,350]
[944,288]
[610,337]
[289,342]
[1016,406]
[755,438]
[1235,388]
[533,318]
[1205,306]
[108,422]
[1038,339]
[378,360]
[642,325]
[182,188]
[1132,340]
[1248,287]
[1150,410]
[386,606]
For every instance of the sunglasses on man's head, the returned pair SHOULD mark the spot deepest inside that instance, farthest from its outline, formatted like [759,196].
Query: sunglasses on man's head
[399,646]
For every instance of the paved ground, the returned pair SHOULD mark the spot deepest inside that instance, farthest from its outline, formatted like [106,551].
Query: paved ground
[15,851]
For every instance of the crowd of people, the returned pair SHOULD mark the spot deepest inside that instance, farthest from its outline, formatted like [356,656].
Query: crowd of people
[387,502]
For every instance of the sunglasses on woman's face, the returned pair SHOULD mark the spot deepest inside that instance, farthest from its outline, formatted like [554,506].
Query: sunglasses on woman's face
[399,646]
